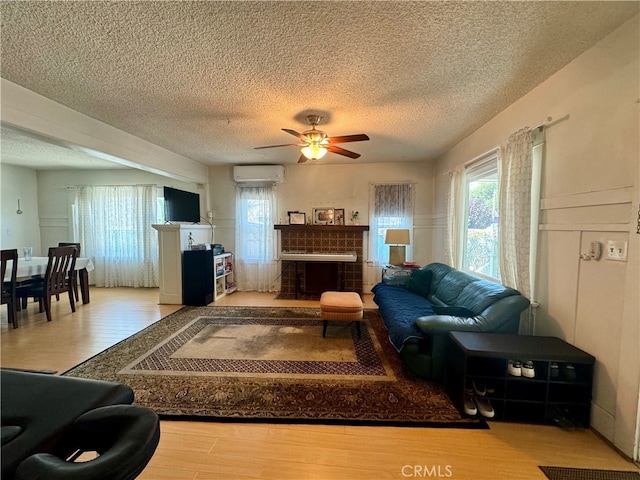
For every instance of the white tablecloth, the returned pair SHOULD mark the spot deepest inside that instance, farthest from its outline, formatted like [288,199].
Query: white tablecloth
[38,266]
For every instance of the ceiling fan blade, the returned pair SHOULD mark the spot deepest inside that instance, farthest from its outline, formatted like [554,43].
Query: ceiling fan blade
[295,134]
[274,146]
[349,138]
[302,159]
[342,151]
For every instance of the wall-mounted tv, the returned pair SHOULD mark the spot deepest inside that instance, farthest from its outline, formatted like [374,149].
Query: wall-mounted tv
[181,206]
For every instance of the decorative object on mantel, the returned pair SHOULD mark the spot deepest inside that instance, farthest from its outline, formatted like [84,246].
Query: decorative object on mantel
[297,218]
[338,216]
[323,216]
[397,238]
[355,217]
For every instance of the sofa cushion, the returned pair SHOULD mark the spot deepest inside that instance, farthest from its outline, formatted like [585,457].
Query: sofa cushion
[455,311]
[399,309]
[482,294]
[419,282]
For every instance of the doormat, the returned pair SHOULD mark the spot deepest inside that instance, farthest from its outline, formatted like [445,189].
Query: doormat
[560,473]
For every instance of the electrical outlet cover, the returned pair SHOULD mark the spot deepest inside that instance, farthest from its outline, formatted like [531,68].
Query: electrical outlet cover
[617,250]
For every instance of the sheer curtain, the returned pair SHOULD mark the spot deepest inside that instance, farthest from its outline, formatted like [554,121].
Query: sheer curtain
[515,173]
[114,228]
[256,265]
[454,217]
[391,207]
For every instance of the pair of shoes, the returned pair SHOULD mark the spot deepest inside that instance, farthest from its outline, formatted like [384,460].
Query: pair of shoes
[473,405]
[517,368]
[554,370]
[484,407]
[481,388]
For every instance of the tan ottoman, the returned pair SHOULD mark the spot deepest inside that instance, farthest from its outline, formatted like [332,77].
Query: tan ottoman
[340,306]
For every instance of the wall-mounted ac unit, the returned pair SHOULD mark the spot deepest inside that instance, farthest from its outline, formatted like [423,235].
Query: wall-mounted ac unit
[258,173]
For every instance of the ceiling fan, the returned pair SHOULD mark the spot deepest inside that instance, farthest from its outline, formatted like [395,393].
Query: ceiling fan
[316,143]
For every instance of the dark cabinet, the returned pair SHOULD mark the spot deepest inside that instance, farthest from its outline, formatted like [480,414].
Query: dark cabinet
[197,277]
[559,391]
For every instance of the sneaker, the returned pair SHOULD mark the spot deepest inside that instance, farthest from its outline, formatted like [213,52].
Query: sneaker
[569,372]
[468,389]
[515,368]
[554,370]
[528,369]
[479,387]
[484,407]
[469,406]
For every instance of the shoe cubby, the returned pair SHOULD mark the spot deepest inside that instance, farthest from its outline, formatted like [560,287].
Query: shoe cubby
[557,392]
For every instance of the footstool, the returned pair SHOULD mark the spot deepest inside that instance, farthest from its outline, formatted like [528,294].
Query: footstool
[340,306]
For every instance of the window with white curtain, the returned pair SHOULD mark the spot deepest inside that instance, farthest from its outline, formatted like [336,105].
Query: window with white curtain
[481,211]
[256,265]
[391,206]
[114,229]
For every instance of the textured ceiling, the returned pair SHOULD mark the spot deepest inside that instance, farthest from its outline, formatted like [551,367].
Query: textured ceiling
[212,80]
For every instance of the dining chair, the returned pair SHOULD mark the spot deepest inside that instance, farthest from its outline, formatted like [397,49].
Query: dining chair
[56,280]
[9,288]
[74,282]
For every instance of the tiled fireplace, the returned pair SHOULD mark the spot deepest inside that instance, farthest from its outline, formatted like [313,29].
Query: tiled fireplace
[314,277]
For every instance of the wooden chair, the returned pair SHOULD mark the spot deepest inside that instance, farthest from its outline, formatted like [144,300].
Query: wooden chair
[74,281]
[9,288]
[57,279]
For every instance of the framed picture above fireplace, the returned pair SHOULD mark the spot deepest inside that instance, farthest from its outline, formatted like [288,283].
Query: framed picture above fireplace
[323,216]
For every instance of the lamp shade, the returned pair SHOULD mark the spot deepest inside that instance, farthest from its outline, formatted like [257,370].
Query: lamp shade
[314,151]
[397,236]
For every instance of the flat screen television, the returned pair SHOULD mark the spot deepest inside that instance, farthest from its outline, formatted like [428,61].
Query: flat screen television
[181,206]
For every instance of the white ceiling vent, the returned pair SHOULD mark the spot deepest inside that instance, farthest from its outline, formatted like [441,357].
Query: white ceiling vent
[258,173]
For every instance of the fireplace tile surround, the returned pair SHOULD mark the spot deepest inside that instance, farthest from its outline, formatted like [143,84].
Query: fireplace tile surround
[323,239]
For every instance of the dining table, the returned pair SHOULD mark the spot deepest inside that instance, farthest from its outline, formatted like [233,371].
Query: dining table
[38,266]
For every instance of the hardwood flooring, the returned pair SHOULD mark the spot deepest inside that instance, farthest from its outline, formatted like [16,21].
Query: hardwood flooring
[237,451]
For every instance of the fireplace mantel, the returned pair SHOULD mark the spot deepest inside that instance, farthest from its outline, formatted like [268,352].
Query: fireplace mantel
[325,228]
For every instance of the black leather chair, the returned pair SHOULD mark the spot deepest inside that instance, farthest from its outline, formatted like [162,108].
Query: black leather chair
[9,288]
[47,420]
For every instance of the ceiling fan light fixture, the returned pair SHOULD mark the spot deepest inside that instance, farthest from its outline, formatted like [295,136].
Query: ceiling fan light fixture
[314,152]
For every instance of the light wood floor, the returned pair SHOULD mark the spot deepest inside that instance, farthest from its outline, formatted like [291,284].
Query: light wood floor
[233,451]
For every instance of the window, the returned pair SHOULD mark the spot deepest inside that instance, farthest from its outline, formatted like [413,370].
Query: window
[391,207]
[114,228]
[255,238]
[480,226]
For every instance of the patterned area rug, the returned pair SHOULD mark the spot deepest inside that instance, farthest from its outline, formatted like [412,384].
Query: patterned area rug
[272,365]
[560,473]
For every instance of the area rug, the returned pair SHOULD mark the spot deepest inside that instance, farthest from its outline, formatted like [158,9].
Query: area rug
[272,365]
[560,473]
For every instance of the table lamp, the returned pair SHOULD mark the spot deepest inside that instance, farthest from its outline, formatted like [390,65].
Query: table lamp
[397,238]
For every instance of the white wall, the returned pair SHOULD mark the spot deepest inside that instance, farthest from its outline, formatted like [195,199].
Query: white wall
[18,231]
[347,186]
[589,193]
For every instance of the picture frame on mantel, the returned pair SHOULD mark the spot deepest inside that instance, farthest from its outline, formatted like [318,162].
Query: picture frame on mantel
[338,216]
[297,218]
[323,216]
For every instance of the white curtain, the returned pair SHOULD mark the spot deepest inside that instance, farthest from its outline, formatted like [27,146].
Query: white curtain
[454,217]
[114,229]
[514,173]
[391,207]
[256,265]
